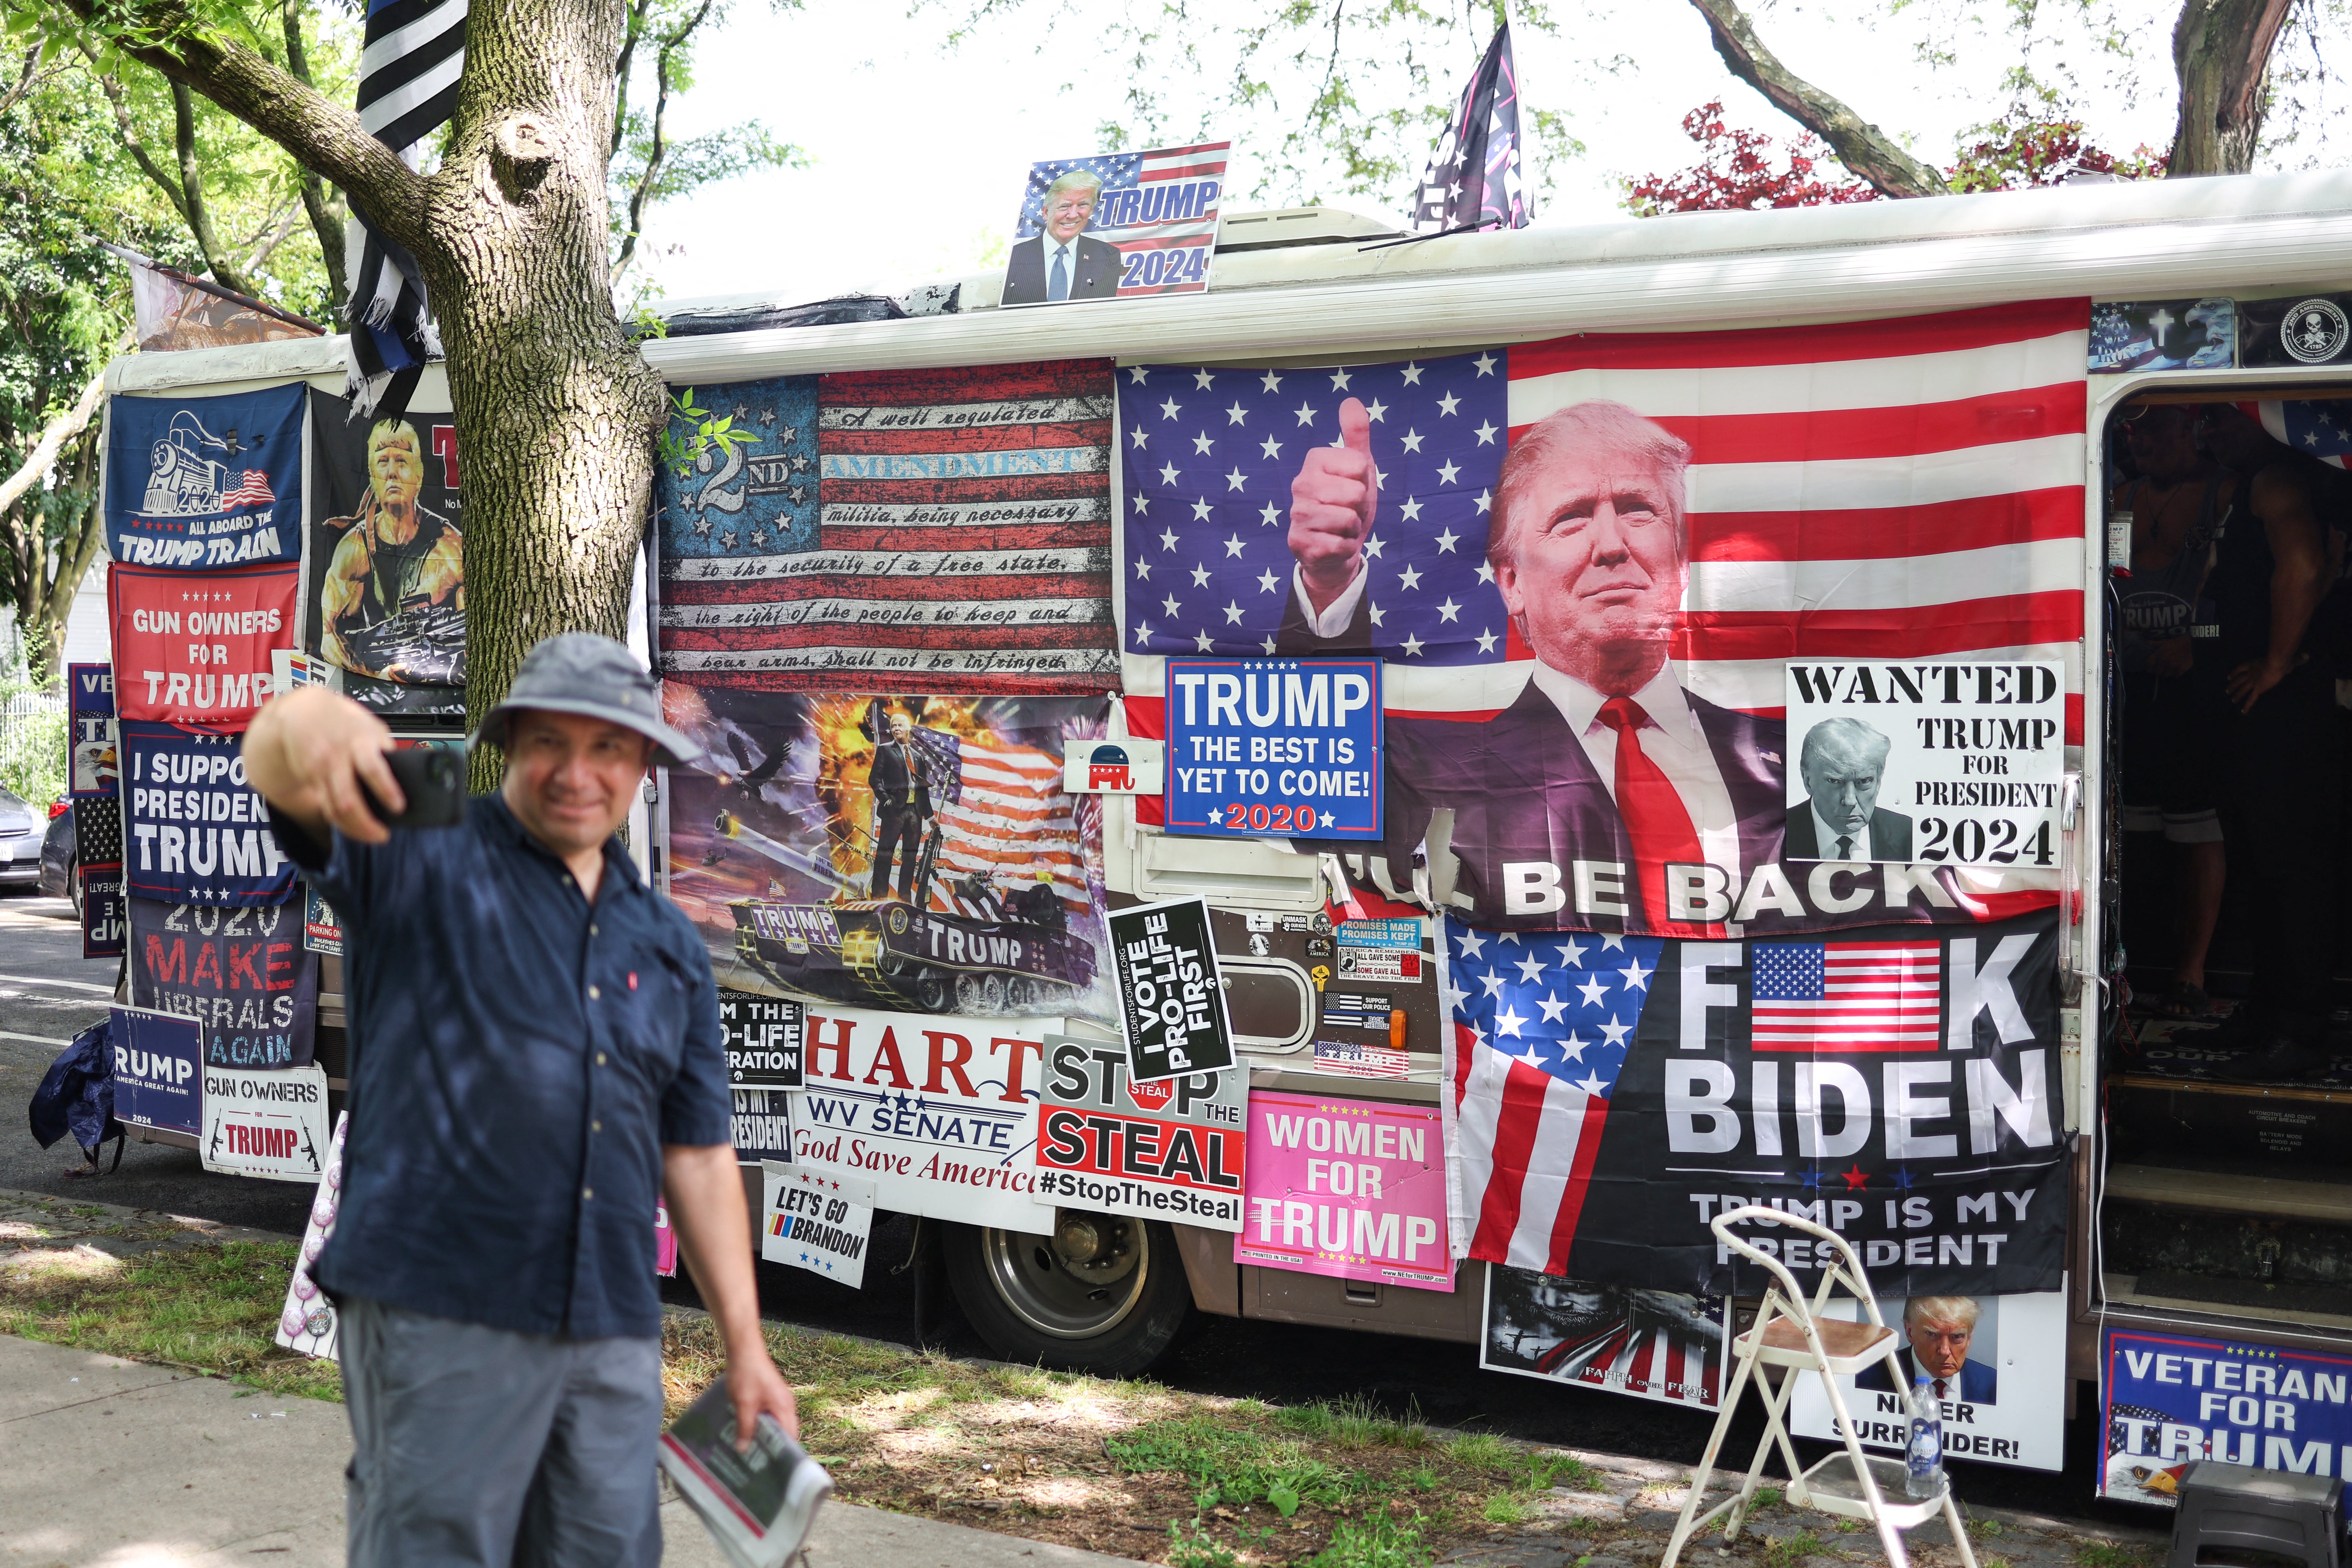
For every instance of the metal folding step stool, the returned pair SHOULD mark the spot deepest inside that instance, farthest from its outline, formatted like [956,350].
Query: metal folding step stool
[1789,1334]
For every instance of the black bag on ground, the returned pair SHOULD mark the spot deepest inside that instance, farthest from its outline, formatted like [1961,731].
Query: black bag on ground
[76,1095]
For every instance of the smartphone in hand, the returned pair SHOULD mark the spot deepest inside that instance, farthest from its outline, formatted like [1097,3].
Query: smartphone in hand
[432,780]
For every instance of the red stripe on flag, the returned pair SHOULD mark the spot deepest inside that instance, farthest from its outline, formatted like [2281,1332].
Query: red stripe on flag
[966,492]
[1579,1182]
[738,639]
[1960,625]
[1900,430]
[983,384]
[1517,1120]
[1888,533]
[1058,585]
[1991,326]
[1465,1042]
[979,438]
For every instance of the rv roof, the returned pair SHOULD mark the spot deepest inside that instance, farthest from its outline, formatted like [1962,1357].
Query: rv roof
[2156,240]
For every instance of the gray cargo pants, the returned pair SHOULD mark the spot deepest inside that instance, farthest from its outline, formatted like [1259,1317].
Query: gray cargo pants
[487,1447]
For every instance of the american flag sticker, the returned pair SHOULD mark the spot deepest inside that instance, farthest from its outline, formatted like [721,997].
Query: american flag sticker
[1847,996]
[933,531]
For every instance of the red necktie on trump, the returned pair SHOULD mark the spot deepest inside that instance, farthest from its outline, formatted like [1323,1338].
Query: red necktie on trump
[1652,808]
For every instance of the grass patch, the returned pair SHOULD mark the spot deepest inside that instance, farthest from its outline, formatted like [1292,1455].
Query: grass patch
[2108,1555]
[1378,1541]
[1790,1550]
[1504,1507]
[1479,1451]
[206,1308]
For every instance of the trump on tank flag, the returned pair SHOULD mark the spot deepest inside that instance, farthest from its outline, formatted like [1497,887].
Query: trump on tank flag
[1608,1095]
[1905,492]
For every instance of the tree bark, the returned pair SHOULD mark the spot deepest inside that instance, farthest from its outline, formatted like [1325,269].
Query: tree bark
[2222,53]
[1864,148]
[555,410]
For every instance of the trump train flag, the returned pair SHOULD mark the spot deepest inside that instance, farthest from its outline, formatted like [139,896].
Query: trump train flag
[1608,1095]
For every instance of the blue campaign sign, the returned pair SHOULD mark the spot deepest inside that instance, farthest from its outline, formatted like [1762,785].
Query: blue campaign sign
[1286,748]
[93,764]
[158,1069]
[203,483]
[194,832]
[2174,1399]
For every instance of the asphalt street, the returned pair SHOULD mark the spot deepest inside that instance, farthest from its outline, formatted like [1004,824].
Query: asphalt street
[48,990]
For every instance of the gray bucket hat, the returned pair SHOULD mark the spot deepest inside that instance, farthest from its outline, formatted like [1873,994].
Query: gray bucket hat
[582,672]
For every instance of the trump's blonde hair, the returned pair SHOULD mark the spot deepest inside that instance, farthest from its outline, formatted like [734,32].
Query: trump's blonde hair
[1597,423]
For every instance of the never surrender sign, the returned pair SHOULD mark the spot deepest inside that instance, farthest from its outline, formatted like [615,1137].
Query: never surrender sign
[1172,1150]
[194,651]
[194,831]
[196,483]
[1172,1010]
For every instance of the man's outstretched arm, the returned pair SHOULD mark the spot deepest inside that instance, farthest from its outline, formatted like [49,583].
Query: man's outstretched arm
[705,1188]
[309,751]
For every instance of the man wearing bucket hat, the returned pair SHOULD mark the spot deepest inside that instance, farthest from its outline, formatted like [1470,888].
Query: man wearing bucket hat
[536,1056]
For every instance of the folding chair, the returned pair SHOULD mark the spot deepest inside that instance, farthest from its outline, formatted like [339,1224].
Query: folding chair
[1789,1334]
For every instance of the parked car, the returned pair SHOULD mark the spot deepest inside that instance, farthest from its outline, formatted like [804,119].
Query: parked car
[20,866]
[56,866]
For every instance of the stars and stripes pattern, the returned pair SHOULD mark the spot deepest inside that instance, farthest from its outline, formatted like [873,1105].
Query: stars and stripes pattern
[1208,457]
[1847,996]
[252,489]
[936,530]
[1640,1354]
[1009,821]
[413,53]
[1541,1024]
[1903,489]
[1475,179]
[2321,429]
[1152,201]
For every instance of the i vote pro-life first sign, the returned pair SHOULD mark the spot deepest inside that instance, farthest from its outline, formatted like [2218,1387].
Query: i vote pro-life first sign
[1960,763]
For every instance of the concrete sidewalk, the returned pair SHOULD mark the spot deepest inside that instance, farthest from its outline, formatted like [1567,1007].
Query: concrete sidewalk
[122,1465]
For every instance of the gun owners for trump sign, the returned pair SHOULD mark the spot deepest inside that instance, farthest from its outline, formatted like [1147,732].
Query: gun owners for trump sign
[1171,1009]
[1170,1150]
[1953,764]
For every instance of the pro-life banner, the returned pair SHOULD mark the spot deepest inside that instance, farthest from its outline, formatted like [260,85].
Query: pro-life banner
[1174,1150]
[1172,1006]
[1610,1096]
[1906,490]
[941,531]
[243,972]
[1116,225]
[195,484]
[932,833]
[388,600]
[194,649]
[1999,1362]
[194,831]
[270,1124]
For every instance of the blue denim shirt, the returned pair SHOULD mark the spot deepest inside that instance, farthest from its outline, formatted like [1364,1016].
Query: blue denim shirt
[517,1061]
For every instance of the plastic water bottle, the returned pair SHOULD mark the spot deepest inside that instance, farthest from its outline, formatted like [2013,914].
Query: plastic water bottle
[1924,1472]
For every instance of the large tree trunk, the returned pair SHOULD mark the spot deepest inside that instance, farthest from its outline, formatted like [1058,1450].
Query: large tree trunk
[555,409]
[2221,52]
[556,413]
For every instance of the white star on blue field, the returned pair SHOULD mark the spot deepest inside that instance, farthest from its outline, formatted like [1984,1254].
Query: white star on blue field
[1565,1002]
[1208,457]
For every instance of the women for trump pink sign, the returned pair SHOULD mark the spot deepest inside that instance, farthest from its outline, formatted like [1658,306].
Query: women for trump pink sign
[1354,1188]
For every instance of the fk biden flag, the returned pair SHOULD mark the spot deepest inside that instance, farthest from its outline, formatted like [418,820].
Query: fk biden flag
[1606,1096]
